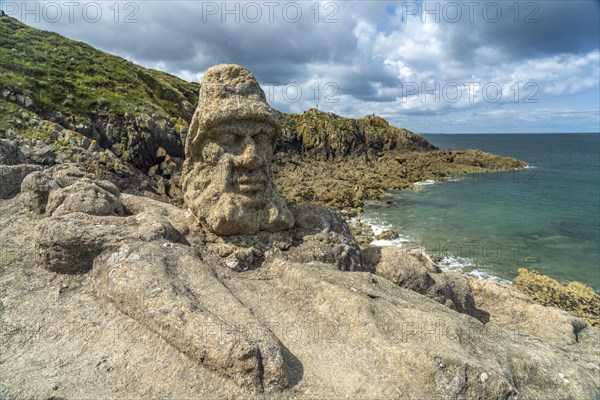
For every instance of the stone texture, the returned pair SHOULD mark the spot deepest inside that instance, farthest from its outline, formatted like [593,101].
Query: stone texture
[10,154]
[182,220]
[11,177]
[42,153]
[321,235]
[184,326]
[226,177]
[574,297]
[507,305]
[37,187]
[349,182]
[166,288]
[416,271]
[84,196]
[35,190]
[70,243]
[147,269]
[357,335]
[68,174]
[318,235]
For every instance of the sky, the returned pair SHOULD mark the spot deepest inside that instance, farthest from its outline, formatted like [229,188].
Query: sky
[428,66]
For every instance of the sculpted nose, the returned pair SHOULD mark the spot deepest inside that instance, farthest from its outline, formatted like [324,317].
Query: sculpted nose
[250,157]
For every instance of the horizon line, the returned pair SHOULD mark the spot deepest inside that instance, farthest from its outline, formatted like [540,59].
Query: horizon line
[509,133]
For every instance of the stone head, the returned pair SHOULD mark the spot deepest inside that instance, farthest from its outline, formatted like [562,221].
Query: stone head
[227,178]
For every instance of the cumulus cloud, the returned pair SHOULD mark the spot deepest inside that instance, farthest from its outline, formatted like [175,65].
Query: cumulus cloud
[426,65]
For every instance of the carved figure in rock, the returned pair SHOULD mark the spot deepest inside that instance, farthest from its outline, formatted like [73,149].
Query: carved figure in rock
[226,178]
[141,262]
[137,249]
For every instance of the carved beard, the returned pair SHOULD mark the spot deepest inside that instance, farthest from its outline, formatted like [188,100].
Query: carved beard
[231,202]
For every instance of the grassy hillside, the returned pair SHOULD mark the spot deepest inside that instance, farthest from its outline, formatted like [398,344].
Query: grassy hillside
[50,84]
[64,75]
[67,94]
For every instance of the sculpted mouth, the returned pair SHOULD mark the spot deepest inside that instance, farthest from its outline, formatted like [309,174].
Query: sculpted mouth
[247,183]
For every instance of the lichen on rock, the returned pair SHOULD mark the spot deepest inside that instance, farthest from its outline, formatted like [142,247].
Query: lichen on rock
[574,297]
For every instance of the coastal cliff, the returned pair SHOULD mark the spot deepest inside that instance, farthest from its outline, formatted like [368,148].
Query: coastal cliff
[107,281]
[343,162]
[128,122]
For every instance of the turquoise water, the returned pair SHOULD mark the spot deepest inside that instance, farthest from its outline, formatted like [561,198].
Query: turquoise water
[546,217]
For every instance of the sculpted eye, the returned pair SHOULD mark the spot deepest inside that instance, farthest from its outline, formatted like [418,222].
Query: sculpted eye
[226,139]
[260,138]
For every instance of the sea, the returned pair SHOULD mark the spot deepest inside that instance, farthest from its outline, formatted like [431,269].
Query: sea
[544,217]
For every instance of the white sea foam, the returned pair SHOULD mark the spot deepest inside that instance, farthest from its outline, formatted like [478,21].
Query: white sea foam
[404,242]
[388,243]
[425,183]
[468,266]
[378,227]
[453,262]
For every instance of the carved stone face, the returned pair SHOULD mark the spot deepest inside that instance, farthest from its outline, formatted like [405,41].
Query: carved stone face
[227,180]
[247,153]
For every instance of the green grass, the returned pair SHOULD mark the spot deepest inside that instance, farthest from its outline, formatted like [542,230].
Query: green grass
[76,79]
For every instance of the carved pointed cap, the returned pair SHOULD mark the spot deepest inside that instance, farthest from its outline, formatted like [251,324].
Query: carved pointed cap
[230,93]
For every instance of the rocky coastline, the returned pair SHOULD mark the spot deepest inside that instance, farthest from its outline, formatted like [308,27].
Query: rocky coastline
[343,162]
[126,273]
[345,317]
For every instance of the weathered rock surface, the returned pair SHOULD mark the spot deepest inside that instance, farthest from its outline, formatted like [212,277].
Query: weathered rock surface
[87,197]
[348,182]
[184,325]
[42,153]
[507,305]
[226,178]
[146,268]
[35,189]
[67,188]
[167,288]
[70,243]
[574,297]
[327,136]
[10,154]
[321,235]
[11,177]
[416,271]
[414,347]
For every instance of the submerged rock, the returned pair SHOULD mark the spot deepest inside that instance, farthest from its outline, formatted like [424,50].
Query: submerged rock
[388,234]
